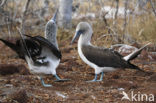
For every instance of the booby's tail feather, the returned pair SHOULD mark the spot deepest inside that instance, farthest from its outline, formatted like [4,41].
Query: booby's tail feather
[135,54]
[132,66]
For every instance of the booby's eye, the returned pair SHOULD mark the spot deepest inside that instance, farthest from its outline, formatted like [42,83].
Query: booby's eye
[81,31]
[52,21]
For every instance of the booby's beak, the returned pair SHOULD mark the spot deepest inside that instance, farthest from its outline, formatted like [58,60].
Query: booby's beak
[54,17]
[77,34]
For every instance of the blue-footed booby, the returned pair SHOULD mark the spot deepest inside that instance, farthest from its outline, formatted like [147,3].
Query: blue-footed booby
[41,54]
[101,59]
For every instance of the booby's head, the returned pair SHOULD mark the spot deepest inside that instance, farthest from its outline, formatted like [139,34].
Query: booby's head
[51,25]
[51,30]
[84,31]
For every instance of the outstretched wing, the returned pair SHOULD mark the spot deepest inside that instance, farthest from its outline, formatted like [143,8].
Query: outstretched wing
[48,44]
[24,47]
[104,57]
[29,47]
[14,47]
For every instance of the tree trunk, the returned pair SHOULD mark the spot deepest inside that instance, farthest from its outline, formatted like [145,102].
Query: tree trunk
[126,36]
[65,13]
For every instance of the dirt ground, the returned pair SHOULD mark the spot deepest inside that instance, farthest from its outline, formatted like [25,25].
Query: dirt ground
[18,85]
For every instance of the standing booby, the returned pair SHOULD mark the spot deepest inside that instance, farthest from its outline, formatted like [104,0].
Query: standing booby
[101,59]
[41,54]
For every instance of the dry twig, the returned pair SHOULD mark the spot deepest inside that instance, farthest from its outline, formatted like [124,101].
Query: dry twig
[24,16]
[154,10]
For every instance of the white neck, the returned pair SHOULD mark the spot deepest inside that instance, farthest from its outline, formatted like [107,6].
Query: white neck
[85,38]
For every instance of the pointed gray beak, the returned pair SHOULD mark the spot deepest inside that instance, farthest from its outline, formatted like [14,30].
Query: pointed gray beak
[54,17]
[77,34]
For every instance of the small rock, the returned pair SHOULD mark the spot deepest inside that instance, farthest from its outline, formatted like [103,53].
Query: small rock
[121,89]
[46,96]
[61,95]
[8,85]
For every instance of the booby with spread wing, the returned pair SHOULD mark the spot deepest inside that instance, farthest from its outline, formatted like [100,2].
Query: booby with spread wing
[41,54]
[101,59]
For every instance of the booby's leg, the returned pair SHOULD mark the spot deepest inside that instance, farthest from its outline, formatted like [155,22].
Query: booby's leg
[59,79]
[45,85]
[94,80]
[101,78]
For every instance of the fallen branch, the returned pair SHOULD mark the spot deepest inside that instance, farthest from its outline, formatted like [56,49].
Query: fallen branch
[116,36]
[117,45]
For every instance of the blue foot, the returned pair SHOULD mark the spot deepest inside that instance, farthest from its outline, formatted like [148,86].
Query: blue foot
[94,80]
[101,78]
[59,79]
[45,85]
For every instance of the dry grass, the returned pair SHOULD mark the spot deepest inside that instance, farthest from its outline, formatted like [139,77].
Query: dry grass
[141,28]
[144,29]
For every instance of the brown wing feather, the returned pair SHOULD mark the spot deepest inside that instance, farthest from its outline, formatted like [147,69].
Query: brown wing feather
[104,57]
[45,42]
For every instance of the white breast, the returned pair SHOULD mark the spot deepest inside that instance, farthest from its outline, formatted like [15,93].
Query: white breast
[50,69]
